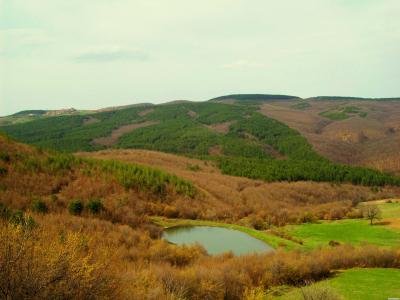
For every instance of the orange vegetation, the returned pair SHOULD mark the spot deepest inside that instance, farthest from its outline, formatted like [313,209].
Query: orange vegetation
[86,258]
[115,253]
[247,201]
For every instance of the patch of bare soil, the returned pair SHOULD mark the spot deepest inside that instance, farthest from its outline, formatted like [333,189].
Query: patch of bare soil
[117,133]
[90,120]
[221,127]
[393,223]
[145,112]
[192,114]
[215,150]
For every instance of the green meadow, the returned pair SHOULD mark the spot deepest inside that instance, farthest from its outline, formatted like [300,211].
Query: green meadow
[355,232]
[357,284]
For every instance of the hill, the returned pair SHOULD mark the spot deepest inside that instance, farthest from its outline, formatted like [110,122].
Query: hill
[356,132]
[253,202]
[240,139]
[252,98]
[74,227]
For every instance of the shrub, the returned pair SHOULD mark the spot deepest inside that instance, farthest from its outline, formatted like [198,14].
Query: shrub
[17,217]
[95,206]
[3,171]
[39,206]
[38,266]
[334,243]
[307,217]
[372,212]
[319,292]
[5,157]
[155,232]
[75,207]
[5,212]
[257,223]
[193,168]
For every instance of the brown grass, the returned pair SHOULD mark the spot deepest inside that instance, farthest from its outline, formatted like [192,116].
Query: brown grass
[235,198]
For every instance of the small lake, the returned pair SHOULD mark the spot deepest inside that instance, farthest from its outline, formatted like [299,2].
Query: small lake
[216,240]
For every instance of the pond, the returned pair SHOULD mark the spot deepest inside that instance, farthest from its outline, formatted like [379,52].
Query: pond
[216,240]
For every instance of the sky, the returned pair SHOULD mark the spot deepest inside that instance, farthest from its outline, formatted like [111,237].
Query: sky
[98,53]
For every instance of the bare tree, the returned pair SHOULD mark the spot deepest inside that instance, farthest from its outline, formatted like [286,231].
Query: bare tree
[372,212]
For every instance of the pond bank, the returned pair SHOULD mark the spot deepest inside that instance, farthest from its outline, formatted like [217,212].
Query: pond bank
[270,239]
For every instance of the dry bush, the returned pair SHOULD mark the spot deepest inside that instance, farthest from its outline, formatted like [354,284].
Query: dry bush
[250,202]
[145,268]
[34,265]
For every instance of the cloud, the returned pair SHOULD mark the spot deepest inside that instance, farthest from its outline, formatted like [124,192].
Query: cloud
[243,64]
[17,41]
[110,53]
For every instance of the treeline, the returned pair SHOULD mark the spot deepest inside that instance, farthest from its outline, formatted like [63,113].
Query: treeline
[142,178]
[252,97]
[298,170]
[281,137]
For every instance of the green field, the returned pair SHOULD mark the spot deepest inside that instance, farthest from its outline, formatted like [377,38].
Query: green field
[389,210]
[354,232]
[359,284]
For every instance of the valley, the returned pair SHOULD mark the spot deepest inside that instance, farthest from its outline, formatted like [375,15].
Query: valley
[264,169]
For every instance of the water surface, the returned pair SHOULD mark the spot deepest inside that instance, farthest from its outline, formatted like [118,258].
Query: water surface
[216,240]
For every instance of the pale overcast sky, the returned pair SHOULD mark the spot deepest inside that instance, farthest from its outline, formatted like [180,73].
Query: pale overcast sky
[97,53]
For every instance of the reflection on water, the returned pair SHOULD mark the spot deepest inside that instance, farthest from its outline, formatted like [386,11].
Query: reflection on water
[216,239]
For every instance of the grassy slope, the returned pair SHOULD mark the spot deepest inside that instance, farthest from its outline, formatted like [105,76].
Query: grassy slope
[390,210]
[273,241]
[20,161]
[345,231]
[360,284]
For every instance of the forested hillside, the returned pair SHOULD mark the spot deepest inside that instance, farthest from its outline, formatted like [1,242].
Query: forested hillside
[241,140]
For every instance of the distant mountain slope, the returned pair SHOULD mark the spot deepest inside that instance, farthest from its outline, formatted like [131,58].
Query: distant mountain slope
[356,132]
[241,140]
[30,112]
[252,98]
[345,98]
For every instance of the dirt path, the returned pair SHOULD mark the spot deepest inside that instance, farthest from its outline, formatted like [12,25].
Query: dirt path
[117,133]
